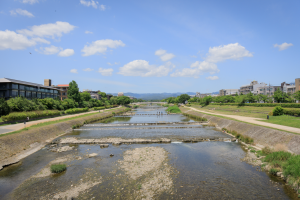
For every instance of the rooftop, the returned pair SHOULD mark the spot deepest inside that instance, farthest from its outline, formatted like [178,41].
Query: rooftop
[62,85]
[9,80]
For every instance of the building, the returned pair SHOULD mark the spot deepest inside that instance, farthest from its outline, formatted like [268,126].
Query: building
[297,84]
[94,94]
[254,85]
[288,88]
[63,94]
[120,94]
[266,90]
[231,92]
[131,97]
[10,88]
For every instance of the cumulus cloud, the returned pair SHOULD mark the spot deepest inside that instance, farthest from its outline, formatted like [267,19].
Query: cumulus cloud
[30,1]
[215,54]
[21,12]
[100,46]
[105,72]
[283,46]
[88,32]
[143,69]
[231,51]
[94,4]
[74,71]
[49,50]
[48,30]
[212,78]
[88,70]
[15,41]
[66,53]
[164,56]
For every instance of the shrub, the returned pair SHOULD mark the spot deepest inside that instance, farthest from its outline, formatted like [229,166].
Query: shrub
[278,110]
[15,116]
[58,168]
[4,108]
[76,110]
[266,151]
[292,166]
[285,105]
[278,156]
[291,112]
[99,108]
[273,171]
[173,109]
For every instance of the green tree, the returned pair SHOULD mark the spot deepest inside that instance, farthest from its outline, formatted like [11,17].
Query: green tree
[184,97]
[206,100]
[4,108]
[250,97]
[73,92]
[102,94]
[123,100]
[297,95]
[85,96]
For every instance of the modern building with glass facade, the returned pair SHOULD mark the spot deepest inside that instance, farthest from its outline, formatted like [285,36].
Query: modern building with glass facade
[10,88]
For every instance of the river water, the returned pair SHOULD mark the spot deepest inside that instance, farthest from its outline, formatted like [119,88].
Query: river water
[202,170]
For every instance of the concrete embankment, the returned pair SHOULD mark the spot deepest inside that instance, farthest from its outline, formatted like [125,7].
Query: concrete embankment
[19,145]
[263,137]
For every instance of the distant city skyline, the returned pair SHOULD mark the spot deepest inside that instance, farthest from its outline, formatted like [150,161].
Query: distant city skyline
[150,46]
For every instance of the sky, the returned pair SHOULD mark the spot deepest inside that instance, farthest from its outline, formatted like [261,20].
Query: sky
[150,46]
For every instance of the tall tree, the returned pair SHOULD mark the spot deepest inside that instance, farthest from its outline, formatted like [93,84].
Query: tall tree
[4,108]
[182,98]
[85,96]
[73,92]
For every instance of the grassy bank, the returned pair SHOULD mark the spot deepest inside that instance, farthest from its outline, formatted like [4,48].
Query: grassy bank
[173,109]
[256,112]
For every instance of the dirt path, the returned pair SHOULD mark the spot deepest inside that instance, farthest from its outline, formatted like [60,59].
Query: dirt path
[253,120]
[15,127]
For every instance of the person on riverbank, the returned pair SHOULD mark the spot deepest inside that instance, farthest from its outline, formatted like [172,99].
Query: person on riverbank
[27,119]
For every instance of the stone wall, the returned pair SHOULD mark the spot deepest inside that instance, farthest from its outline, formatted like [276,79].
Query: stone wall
[266,137]
[13,144]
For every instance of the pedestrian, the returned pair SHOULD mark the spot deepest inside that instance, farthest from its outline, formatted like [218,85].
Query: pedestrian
[27,119]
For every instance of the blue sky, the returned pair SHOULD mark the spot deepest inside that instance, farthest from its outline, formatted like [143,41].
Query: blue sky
[150,46]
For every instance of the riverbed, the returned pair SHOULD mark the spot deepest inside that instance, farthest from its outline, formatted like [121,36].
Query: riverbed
[198,162]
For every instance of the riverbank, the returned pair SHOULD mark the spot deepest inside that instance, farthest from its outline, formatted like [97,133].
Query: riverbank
[14,147]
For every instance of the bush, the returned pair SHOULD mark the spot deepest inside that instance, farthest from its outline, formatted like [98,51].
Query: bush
[266,151]
[76,110]
[278,110]
[58,168]
[292,166]
[274,171]
[278,156]
[173,109]
[99,108]
[4,108]
[291,112]
[15,116]
[285,105]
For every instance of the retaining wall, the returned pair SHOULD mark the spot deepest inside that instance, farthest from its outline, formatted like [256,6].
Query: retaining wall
[266,137]
[13,144]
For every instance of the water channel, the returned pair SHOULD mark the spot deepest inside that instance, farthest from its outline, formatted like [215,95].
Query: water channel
[178,170]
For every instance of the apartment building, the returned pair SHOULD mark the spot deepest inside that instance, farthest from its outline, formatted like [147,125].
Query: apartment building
[231,92]
[254,85]
[94,94]
[297,84]
[10,88]
[63,94]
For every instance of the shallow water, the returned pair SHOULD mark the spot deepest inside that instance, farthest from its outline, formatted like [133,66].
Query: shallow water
[204,170]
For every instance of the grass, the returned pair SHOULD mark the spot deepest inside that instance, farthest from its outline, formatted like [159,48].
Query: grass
[173,109]
[50,122]
[58,168]
[285,120]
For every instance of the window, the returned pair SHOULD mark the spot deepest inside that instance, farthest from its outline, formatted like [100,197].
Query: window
[2,85]
[39,95]
[14,93]
[14,86]
[33,94]
[51,96]
[22,93]
[28,94]
[43,95]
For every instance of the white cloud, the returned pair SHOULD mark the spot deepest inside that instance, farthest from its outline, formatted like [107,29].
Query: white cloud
[115,63]
[283,46]
[66,53]
[231,51]
[88,32]
[105,72]
[90,3]
[48,30]
[49,50]
[15,41]
[30,1]
[88,70]
[164,56]
[143,69]
[102,7]
[74,71]
[100,46]
[160,52]
[212,78]
[215,55]
[21,12]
